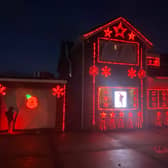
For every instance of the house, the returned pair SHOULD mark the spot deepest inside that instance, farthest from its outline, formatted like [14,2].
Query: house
[109,86]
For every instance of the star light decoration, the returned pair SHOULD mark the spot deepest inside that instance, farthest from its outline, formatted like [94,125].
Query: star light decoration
[119,30]
[131,73]
[131,36]
[93,70]
[107,32]
[58,91]
[103,115]
[106,71]
[2,90]
[141,73]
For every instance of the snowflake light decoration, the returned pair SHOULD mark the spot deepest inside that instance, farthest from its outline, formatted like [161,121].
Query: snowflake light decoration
[107,32]
[106,71]
[58,91]
[2,90]
[93,70]
[131,73]
[119,30]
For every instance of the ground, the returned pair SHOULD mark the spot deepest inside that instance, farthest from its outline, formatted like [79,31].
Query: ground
[128,149]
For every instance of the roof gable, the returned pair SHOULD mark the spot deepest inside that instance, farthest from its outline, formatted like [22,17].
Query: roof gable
[120,20]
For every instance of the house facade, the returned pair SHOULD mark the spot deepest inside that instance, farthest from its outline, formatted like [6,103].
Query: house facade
[110,87]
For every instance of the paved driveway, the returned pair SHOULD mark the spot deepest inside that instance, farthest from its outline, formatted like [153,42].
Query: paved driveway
[134,149]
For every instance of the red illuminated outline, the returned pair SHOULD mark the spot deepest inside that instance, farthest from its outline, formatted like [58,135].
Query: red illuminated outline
[93,83]
[117,109]
[119,30]
[107,32]
[141,90]
[158,103]
[120,63]
[140,35]
[153,61]
[64,110]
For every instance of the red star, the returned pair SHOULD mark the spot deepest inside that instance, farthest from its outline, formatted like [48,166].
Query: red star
[107,32]
[157,62]
[106,71]
[141,74]
[119,30]
[112,115]
[93,70]
[132,72]
[58,91]
[103,115]
[131,36]
[2,90]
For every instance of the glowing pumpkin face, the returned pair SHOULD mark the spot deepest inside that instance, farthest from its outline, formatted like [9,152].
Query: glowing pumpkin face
[32,102]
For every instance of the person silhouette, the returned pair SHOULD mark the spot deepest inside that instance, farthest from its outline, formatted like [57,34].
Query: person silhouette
[10,118]
[121,99]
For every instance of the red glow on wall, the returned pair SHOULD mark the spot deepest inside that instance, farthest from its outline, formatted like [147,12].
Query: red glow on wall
[93,70]
[162,77]
[130,120]
[102,121]
[166,119]
[2,90]
[131,73]
[120,63]
[32,102]
[106,71]
[157,98]
[121,120]
[158,121]
[93,83]
[141,73]
[112,120]
[131,36]
[58,91]
[119,30]
[139,121]
[107,32]
[153,61]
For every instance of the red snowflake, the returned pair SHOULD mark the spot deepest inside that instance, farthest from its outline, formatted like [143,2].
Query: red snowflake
[119,30]
[2,90]
[141,73]
[58,91]
[132,72]
[107,32]
[106,71]
[93,70]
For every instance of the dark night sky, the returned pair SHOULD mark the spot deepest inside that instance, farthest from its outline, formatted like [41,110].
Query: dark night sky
[31,31]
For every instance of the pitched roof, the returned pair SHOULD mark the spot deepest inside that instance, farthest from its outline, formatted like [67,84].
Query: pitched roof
[120,19]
